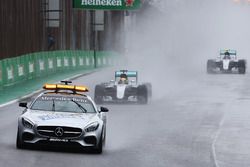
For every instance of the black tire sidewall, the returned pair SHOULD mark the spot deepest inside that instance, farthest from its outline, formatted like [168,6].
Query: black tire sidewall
[98,94]
[142,94]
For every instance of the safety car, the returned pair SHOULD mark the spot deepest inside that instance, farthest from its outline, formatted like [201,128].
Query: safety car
[62,116]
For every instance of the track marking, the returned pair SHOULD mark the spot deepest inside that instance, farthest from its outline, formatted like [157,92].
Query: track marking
[217,134]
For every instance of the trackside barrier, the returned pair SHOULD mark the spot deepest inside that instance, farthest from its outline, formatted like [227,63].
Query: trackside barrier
[105,58]
[41,64]
[1,74]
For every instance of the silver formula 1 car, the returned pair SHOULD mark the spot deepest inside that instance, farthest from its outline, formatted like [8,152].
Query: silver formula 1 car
[124,89]
[226,62]
[64,117]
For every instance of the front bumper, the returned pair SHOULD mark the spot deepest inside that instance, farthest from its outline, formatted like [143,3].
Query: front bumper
[31,136]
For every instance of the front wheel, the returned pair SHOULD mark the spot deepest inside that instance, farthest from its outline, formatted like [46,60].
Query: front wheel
[242,66]
[19,141]
[99,148]
[210,66]
[142,94]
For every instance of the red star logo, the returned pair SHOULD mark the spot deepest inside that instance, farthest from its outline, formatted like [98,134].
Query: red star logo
[130,2]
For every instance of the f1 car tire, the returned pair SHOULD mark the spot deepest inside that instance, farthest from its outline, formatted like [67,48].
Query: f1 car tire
[142,94]
[149,88]
[242,66]
[211,65]
[98,94]
[19,142]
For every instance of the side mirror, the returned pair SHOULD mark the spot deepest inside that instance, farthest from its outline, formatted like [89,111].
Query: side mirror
[23,104]
[103,109]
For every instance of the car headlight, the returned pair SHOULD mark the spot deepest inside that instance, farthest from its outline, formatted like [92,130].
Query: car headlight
[27,123]
[92,127]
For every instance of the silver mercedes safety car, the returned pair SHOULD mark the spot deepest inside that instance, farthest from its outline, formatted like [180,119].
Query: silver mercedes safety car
[62,116]
[124,89]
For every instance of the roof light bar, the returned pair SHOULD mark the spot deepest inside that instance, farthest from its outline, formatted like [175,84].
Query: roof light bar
[65,87]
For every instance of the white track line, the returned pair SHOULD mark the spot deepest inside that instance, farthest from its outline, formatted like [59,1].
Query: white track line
[217,134]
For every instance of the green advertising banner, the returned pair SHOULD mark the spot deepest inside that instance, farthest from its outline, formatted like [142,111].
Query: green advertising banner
[107,4]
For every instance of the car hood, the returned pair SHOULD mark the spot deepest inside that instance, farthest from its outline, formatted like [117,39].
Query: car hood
[44,118]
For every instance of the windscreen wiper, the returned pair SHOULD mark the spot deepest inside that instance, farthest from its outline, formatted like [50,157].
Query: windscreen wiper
[80,106]
[53,106]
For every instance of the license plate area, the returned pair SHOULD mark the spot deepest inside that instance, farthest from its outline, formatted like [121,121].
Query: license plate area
[58,140]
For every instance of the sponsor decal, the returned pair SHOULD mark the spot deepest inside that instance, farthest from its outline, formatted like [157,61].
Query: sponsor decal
[129,2]
[58,116]
[81,61]
[66,62]
[20,70]
[31,67]
[59,62]
[104,61]
[59,140]
[102,2]
[49,98]
[1,75]
[10,73]
[73,62]
[41,64]
[99,61]
[107,4]
[50,63]
[87,61]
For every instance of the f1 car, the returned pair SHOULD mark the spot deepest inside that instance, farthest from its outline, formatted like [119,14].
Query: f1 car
[227,61]
[124,89]
[62,116]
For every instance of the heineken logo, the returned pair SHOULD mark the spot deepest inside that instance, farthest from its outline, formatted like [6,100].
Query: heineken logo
[102,2]
[107,4]
[129,2]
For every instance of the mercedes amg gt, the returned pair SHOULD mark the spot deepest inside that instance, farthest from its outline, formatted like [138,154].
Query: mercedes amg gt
[62,116]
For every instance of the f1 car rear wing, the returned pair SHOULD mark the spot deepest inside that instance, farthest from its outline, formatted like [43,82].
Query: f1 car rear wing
[231,52]
[128,73]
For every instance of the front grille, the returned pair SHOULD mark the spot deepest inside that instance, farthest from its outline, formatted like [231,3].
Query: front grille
[50,131]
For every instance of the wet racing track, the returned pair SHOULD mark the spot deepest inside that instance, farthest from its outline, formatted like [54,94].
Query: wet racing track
[202,123]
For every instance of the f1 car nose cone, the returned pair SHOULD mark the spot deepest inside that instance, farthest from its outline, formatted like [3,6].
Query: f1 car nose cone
[59,131]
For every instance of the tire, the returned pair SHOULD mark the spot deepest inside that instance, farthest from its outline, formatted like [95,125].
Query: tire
[242,66]
[98,94]
[211,66]
[104,138]
[99,148]
[142,94]
[19,142]
[149,88]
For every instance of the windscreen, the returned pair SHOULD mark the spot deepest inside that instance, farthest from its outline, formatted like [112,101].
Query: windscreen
[63,104]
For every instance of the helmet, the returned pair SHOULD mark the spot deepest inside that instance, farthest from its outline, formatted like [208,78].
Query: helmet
[227,53]
[123,79]
[123,76]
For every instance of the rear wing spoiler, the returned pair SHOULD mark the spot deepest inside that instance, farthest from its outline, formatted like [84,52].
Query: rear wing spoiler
[128,73]
[231,52]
